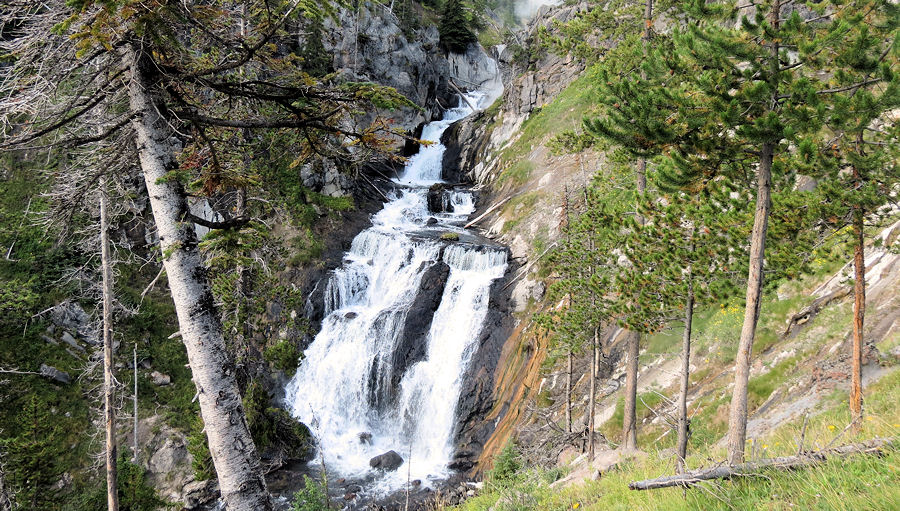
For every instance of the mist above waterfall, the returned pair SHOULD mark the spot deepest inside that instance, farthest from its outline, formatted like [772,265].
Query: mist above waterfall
[526,9]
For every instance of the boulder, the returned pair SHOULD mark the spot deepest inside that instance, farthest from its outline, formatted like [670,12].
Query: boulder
[55,374]
[436,202]
[388,461]
[160,379]
[365,438]
[199,493]
[70,316]
[70,340]
[524,291]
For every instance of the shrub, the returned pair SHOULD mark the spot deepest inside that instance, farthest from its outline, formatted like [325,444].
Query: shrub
[284,356]
[312,497]
[507,465]
[199,449]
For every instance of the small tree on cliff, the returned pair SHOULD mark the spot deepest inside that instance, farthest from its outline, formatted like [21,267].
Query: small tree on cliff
[454,28]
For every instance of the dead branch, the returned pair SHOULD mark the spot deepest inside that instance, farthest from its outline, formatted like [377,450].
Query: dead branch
[809,312]
[688,479]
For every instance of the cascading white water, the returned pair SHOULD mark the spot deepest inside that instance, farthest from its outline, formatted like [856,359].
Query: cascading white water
[345,385]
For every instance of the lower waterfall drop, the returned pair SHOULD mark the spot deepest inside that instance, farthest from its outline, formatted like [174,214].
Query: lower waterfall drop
[364,388]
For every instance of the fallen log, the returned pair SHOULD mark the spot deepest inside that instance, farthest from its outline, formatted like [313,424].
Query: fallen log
[752,468]
[463,96]
[492,208]
[808,313]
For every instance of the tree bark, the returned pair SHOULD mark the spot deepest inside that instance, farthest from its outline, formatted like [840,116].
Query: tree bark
[112,495]
[569,392]
[693,477]
[685,375]
[737,420]
[629,419]
[859,312]
[233,453]
[134,455]
[593,394]
[633,349]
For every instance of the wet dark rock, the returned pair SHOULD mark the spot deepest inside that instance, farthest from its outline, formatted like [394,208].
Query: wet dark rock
[388,461]
[55,374]
[412,348]
[476,398]
[411,145]
[365,438]
[350,315]
[463,140]
[436,203]
[431,221]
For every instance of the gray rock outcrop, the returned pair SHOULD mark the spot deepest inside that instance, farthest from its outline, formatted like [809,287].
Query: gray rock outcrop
[55,374]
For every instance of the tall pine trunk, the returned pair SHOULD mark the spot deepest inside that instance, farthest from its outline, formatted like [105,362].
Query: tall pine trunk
[569,392]
[633,348]
[737,420]
[112,495]
[593,393]
[233,453]
[685,374]
[629,419]
[859,312]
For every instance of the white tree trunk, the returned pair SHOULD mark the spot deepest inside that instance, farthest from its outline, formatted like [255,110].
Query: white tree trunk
[112,495]
[233,452]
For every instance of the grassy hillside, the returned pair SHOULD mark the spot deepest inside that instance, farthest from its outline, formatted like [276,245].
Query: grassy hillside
[797,375]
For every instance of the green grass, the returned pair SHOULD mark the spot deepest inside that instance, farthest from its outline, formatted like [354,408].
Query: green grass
[565,112]
[859,482]
[518,208]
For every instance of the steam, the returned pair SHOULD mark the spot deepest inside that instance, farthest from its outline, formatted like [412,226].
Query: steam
[526,9]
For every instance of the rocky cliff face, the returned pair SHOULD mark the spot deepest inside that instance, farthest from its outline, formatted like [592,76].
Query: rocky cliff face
[369,44]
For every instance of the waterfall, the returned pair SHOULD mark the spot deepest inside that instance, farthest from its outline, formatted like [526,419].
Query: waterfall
[358,375]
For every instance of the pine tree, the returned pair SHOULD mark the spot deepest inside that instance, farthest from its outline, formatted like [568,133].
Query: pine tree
[32,456]
[689,252]
[160,77]
[856,158]
[454,28]
[730,99]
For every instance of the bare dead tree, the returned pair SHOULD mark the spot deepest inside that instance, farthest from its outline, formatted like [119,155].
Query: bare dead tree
[112,497]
